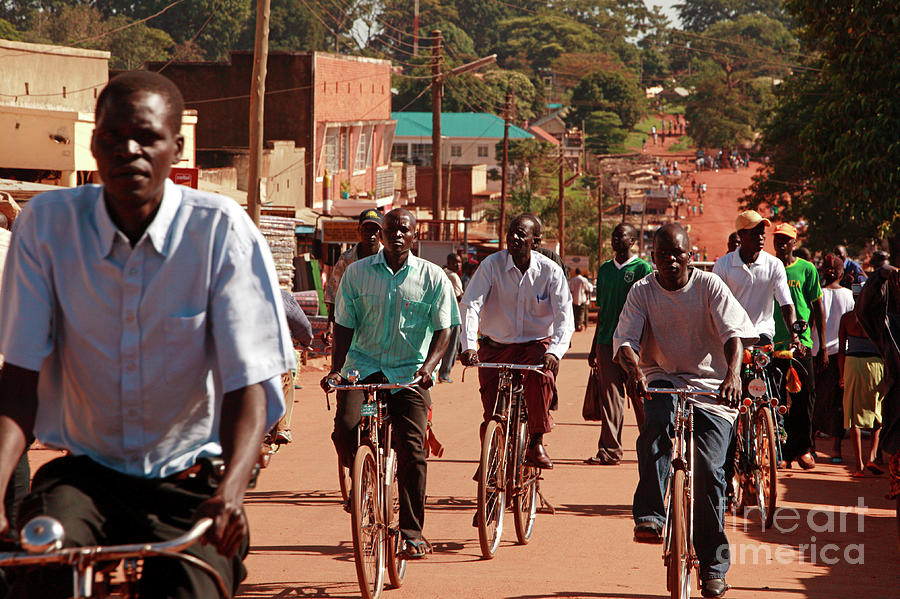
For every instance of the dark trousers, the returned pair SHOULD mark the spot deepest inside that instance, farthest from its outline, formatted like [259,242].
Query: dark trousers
[798,420]
[409,415]
[97,505]
[612,404]
[654,453]
[17,490]
[579,311]
[538,388]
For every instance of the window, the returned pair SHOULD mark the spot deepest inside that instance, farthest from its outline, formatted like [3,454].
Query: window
[345,149]
[363,147]
[400,153]
[421,154]
[456,151]
[483,151]
[332,136]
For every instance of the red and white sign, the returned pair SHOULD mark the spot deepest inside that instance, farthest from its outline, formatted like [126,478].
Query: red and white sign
[189,177]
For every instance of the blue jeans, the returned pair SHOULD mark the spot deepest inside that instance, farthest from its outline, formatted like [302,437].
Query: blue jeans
[450,355]
[654,453]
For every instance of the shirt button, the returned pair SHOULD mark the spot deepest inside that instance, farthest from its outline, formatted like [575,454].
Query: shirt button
[131,367]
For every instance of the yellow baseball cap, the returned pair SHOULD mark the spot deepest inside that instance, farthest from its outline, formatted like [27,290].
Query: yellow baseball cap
[748,219]
[786,229]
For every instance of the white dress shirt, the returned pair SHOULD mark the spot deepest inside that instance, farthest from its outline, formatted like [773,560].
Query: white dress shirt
[136,347]
[580,288]
[511,307]
[754,285]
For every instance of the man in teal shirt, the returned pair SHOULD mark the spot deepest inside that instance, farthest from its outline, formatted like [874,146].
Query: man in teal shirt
[806,292]
[614,279]
[393,314]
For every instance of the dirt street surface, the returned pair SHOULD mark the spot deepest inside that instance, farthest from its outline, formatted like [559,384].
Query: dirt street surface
[301,535]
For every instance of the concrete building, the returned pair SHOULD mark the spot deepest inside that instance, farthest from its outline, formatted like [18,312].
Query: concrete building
[469,138]
[47,99]
[336,108]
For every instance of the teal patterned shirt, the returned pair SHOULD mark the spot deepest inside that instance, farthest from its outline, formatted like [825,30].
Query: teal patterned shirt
[393,315]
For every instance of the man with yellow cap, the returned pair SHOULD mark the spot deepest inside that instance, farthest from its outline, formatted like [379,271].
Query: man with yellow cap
[806,292]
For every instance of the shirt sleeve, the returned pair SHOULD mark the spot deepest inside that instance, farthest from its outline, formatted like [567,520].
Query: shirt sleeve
[563,320]
[249,326]
[782,291]
[471,304]
[631,322]
[28,302]
[445,311]
[719,268]
[345,306]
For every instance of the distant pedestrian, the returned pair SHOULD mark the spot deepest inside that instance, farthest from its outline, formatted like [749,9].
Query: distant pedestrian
[614,280]
[581,290]
[734,241]
[853,272]
[452,270]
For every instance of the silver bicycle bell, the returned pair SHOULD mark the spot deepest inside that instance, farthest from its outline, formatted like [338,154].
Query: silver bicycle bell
[352,376]
[42,534]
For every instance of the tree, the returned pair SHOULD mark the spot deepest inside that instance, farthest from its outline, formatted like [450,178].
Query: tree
[604,132]
[718,116]
[8,31]
[699,15]
[534,42]
[610,92]
[839,118]
[292,28]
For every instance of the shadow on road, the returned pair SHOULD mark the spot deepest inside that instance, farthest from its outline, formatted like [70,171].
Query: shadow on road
[594,510]
[447,503]
[586,594]
[298,589]
[343,549]
[312,497]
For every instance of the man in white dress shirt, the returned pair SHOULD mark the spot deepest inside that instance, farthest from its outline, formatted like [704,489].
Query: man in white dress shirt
[144,333]
[520,301]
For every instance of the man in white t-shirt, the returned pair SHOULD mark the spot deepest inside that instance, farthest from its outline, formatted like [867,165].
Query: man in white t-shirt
[682,327]
[755,276]
[581,290]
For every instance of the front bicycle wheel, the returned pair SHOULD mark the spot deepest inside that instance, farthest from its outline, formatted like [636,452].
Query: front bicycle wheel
[525,487]
[739,480]
[368,526]
[491,491]
[396,563]
[766,467]
[678,558]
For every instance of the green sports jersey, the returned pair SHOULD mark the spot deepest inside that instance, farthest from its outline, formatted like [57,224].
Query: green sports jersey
[613,285]
[803,281]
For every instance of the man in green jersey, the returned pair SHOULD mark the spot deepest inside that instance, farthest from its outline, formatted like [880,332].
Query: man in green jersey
[614,279]
[803,282]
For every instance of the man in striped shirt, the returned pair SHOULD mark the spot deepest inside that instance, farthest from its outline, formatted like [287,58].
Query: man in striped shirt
[393,314]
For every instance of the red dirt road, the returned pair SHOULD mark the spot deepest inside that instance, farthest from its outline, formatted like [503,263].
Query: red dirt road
[301,535]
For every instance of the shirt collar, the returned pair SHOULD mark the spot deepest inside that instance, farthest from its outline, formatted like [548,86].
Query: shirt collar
[624,264]
[738,262]
[158,229]
[379,259]
[532,264]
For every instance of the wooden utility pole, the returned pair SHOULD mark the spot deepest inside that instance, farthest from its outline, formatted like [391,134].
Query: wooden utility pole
[416,28]
[562,200]
[643,221]
[436,92]
[501,227]
[257,105]
[624,198]
[599,222]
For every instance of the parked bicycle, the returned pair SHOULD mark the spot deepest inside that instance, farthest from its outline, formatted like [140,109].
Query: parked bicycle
[504,476]
[374,495]
[678,533]
[42,539]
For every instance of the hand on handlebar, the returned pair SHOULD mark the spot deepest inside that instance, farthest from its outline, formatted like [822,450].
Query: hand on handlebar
[423,379]
[551,363]
[229,523]
[329,381]
[469,357]
[797,346]
[637,386]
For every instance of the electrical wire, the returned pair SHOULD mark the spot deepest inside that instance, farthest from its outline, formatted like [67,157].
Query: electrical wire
[196,35]
[124,27]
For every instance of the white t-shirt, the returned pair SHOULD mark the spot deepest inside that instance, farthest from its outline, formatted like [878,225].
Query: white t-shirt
[835,303]
[754,285]
[580,288]
[680,335]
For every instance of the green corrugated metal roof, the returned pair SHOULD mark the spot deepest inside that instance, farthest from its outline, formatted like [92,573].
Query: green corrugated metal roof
[455,124]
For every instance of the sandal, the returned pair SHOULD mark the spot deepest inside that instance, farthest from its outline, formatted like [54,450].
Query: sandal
[874,468]
[601,461]
[415,548]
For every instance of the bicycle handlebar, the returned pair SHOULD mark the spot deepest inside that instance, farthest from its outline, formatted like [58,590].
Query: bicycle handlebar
[376,386]
[687,393]
[532,367]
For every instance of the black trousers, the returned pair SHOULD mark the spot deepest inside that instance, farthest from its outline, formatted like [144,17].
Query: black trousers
[97,505]
[409,414]
[17,490]
[798,420]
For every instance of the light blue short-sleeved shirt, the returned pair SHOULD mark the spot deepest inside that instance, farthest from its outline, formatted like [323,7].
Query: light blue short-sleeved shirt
[136,347]
[393,315]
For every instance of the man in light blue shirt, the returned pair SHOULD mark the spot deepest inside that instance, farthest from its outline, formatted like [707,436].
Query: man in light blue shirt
[143,332]
[393,314]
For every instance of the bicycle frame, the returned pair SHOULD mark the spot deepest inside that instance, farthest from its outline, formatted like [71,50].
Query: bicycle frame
[44,535]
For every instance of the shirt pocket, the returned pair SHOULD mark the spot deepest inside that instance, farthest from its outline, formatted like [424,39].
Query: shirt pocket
[414,321]
[538,306]
[185,348]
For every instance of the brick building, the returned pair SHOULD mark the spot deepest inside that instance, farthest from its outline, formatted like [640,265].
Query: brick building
[337,108]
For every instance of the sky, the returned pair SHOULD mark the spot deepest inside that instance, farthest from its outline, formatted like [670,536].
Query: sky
[668,7]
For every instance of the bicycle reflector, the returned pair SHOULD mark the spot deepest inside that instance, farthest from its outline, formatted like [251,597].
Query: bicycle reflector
[782,410]
[42,534]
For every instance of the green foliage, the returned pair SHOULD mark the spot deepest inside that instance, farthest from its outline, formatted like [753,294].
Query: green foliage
[292,28]
[699,15]
[532,43]
[718,117]
[8,32]
[610,92]
[832,142]
[604,132]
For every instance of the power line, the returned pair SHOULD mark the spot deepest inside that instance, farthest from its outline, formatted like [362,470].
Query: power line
[196,35]
[126,26]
